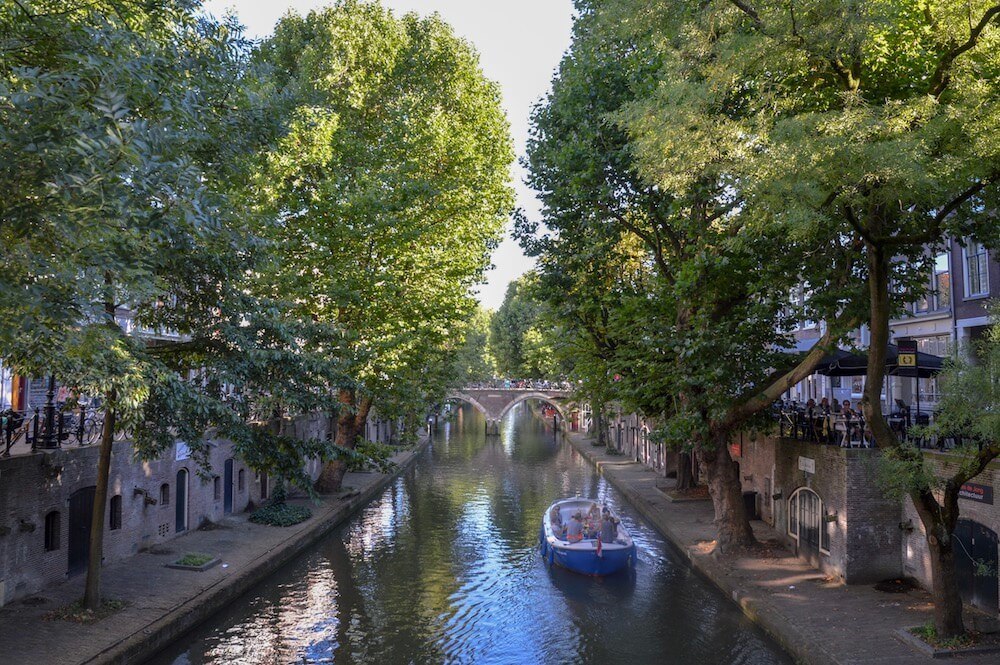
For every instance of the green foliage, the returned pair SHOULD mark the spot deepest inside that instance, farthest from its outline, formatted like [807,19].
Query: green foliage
[280,514]
[132,132]
[928,633]
[392,184]
[373,455]
[194,559]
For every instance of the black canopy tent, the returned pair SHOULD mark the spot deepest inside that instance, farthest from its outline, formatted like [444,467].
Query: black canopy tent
[847,363]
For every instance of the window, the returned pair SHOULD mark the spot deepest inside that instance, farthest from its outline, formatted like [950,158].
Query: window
[115,516]
[52,530]
[938,296]
[977,279]
[241,480]
[165,494]
[938,345]
[217,488]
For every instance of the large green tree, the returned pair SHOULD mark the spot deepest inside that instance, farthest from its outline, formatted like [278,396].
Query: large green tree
[697,343]
[875,119]
[123,268]
[391,187]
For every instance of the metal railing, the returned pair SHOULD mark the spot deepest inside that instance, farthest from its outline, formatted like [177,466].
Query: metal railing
[42,429]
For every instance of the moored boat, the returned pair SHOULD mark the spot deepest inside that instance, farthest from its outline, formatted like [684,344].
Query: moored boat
[588,553]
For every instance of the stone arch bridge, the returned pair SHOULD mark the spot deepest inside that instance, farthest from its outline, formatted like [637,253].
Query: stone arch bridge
[494,403]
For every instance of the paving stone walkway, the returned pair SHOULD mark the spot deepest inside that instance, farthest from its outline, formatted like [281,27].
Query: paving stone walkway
[162,602]
[817,620]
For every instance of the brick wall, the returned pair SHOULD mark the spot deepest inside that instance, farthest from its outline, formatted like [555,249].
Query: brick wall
[32,486]
[863,526]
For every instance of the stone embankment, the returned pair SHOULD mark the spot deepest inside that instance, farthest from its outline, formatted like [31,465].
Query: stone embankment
[818,620]
[163,603]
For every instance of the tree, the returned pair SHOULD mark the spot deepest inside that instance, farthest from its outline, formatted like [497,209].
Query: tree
[391,187]
[509,325]
[126,137]
[472,361]
[877,121]
[966,414]
[697,345]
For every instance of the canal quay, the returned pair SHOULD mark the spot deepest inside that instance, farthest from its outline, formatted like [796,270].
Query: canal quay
[443,567]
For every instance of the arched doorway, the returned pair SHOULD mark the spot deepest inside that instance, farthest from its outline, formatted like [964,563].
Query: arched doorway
[81,517]
[807,524]
[976,560]
[181,505]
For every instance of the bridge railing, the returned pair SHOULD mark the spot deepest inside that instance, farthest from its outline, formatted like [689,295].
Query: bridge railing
[520,384]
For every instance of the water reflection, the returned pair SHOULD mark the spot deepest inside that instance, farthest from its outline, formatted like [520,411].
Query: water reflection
[444,568]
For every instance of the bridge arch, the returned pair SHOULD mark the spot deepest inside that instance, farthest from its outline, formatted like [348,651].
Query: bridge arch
[541,397]
[468,399]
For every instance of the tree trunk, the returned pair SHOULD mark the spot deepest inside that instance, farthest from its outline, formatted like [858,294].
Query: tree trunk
[944,584]
[352,417]
[731,519]
[685,475]
[598,420]
[880,308]
[92,590]
[939,519]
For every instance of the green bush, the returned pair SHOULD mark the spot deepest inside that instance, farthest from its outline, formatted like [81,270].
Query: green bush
[280,514]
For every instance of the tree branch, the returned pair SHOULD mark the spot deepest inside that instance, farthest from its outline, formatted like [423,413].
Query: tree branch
[749,11]
[940,78]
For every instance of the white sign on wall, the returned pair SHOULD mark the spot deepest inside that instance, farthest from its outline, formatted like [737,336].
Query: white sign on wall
[182,451]
[807,464]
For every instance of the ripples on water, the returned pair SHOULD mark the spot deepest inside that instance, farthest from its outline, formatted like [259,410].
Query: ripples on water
[444,568]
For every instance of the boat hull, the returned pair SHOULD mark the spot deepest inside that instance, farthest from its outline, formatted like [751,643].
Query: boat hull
[586,561]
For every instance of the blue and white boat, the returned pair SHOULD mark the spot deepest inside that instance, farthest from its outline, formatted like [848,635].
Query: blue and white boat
[590,555]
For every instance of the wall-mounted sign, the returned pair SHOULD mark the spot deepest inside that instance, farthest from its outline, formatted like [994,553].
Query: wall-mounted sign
[807,464]
[736,449]
[975,492]
[907,353]
[182,451]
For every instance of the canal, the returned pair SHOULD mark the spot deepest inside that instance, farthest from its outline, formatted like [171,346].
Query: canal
[443,567]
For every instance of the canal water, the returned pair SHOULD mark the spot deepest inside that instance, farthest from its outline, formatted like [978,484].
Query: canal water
[444,567]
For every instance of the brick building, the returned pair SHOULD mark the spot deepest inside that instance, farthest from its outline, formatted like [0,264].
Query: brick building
[46,500]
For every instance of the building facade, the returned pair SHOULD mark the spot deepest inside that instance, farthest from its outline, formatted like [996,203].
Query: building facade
[46,499]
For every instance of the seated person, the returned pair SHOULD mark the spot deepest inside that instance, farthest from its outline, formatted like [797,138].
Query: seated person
[609,528]
[574,532]
[555,519]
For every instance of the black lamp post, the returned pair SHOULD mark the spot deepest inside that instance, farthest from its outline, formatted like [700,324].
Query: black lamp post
[49,438]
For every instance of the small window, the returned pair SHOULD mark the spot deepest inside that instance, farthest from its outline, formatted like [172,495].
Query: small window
[115,516]
[241,480]
[52,530]
[824,531]
[217,488]
[165,494]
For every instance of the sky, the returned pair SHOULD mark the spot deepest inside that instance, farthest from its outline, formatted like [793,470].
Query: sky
[520,43]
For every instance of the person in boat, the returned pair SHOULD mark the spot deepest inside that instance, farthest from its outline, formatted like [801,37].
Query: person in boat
[574,531]
[558,528]
[609,527]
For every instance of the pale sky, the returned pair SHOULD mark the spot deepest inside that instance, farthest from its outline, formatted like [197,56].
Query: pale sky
[520,43]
